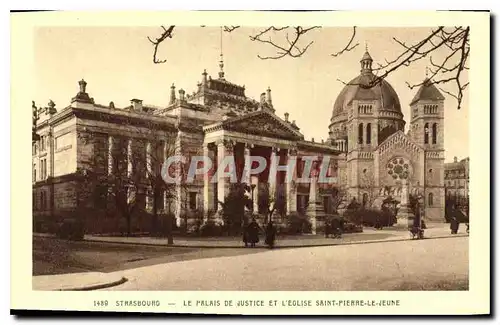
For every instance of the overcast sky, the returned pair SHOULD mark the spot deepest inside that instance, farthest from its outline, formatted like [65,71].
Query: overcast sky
[117,64]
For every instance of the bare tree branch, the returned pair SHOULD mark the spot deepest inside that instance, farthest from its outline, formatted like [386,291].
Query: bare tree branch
[230,29]
[348,47]
[291,49]
[167,33]
[454,41]
[447,70]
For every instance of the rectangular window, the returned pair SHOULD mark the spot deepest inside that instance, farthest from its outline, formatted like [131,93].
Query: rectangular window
[326,203]
[34,172]
[149,199]
[302,202]
[193,200]
[43,169]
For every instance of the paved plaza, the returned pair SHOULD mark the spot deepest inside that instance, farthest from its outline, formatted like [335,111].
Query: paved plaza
[104,261]
[409,265]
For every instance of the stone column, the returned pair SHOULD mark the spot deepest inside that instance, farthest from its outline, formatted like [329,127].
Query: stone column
[208,186]
[273,182]
[255,184]
[224,149]
[129,158]
[179,198]
[165,192]
[313,207]
[246,170]
[405,215]
[291,186]
[148,159]
[110,155]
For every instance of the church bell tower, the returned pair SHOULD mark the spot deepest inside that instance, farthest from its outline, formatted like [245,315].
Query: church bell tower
[427,130]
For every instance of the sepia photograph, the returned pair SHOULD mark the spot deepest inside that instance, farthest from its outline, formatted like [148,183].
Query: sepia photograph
[219,158]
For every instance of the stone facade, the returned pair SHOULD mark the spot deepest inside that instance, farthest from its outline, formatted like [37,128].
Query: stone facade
[368,127]
[456,179]
[90,158]
[94,148]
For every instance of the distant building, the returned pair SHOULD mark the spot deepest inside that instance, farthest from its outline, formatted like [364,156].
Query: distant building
[456,178]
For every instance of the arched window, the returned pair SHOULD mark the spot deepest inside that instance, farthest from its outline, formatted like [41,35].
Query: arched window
[360,133]
[434,133]
[369,133]
[426,133]
[430,200]
[365,199]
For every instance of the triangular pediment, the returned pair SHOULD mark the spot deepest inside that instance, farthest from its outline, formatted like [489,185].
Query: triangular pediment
[399,140]
[262,123]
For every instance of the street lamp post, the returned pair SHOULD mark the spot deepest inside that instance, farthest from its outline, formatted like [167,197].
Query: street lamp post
[420,202]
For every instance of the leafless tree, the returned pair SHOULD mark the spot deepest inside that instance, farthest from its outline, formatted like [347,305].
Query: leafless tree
[271,200]
[167,33]
[131,183]
[450,69]
[452,41]
[367,185]
[290,47]
[338,195]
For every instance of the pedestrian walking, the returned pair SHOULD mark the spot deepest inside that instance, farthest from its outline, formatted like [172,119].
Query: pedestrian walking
[270,234]
[454,224]
[252,233]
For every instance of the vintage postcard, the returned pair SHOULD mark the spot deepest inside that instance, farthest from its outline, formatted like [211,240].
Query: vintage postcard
[284,163]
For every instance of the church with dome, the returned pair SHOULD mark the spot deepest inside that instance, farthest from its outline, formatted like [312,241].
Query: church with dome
[381,159]
[89,160]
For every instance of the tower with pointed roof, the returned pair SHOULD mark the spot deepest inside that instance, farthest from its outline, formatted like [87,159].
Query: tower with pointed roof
[427,130]
[364,115]
[381,161]
[427,115]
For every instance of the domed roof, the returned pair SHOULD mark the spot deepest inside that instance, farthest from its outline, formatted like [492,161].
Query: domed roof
[359,89]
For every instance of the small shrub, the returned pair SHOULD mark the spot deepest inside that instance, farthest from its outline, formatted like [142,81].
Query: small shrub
[211,229]
[370,217]
[71,229]
[298,224]
[350,228]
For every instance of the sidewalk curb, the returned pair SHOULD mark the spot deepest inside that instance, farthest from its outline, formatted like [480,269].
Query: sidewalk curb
[98,286]
[276,247]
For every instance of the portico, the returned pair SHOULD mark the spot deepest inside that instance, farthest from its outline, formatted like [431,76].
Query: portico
[255,146]
[266,152]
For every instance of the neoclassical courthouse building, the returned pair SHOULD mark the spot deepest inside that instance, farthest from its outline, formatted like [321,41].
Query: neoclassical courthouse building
[370,154]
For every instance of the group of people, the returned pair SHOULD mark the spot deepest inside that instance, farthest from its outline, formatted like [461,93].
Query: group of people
[334,227]
[252,230]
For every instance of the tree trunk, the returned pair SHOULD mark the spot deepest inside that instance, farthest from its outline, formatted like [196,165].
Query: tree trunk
[170,236]
[128,217]
[122,205]
[154,222]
